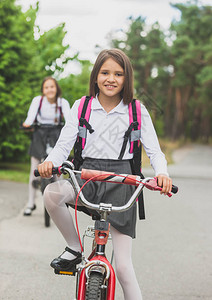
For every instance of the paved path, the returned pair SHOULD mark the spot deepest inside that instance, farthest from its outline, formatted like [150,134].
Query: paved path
[172,253]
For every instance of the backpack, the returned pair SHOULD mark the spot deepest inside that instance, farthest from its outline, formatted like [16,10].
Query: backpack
[132,135]
[39,111]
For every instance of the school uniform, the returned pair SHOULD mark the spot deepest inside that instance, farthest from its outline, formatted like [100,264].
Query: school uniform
[46,115]
[101,152]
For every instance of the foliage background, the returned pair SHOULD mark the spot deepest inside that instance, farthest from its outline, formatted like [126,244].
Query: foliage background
[173,71]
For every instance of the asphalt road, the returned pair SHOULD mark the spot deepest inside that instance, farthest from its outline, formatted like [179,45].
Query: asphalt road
[172,253]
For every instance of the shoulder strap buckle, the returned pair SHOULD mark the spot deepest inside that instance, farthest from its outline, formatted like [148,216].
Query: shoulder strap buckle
[83,121]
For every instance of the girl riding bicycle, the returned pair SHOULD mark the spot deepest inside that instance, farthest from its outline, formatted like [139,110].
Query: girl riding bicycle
[49,108]
[111,85]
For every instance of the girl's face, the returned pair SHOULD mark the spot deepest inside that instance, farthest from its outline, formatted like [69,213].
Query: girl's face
[110,79]
[50,89]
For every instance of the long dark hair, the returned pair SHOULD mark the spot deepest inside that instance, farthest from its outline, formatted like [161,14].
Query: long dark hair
[121,58]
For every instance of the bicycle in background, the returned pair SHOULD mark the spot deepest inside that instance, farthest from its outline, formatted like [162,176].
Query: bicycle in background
[42,183]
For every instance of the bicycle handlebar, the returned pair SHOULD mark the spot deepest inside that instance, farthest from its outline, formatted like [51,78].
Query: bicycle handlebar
[94,175]
[39,125]
[55,171]
[119,178]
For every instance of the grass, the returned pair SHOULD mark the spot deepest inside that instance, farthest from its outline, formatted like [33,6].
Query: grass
[15,172]
[20,171]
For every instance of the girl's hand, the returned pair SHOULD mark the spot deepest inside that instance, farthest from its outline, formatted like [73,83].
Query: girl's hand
[25,125]
[165,182]
[45,169]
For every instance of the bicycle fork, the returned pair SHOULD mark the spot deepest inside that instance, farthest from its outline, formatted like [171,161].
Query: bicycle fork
[98,263]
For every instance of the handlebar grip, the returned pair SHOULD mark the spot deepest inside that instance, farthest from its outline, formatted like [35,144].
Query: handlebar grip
[36,173]
[174,189]
[55,170]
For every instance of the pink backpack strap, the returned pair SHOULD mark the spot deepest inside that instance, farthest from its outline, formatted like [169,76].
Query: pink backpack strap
[133,133]
[135,115]
[82,101]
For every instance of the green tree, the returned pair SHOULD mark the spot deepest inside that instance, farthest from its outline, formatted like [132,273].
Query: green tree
[24,62]
[191,56]
[76,86]
[15,56]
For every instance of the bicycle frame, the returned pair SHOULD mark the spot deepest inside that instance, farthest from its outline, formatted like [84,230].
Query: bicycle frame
[97,261]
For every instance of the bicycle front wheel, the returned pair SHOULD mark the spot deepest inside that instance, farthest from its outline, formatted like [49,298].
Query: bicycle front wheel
[95,289]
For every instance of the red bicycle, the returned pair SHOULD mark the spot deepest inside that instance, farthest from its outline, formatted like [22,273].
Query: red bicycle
[95,274]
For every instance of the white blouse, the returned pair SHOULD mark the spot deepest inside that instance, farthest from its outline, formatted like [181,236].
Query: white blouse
[107,139]
[47,113]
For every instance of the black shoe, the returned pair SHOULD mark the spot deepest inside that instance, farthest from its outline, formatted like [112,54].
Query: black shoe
[28,210]
[62,264]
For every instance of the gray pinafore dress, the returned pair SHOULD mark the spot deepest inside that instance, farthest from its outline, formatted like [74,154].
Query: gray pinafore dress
[40,138]
[44,135]
[117,194]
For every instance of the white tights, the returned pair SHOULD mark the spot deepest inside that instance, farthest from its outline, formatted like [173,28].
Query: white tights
[32,190]
[56,195]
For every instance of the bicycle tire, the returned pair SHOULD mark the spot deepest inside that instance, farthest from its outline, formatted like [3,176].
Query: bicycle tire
[46,218]
[44,183]
[94,291]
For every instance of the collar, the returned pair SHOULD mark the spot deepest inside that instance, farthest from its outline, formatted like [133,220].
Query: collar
[120,108]
[54,103]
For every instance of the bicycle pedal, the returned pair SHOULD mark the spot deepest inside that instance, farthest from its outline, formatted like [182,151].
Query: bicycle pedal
[70,273]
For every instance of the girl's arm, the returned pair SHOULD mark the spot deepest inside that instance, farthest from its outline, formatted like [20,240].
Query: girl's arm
[33,109]
[152,147]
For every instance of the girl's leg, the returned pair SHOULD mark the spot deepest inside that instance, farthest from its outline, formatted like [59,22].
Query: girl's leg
[32,190]
[122,245]
[56,195]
